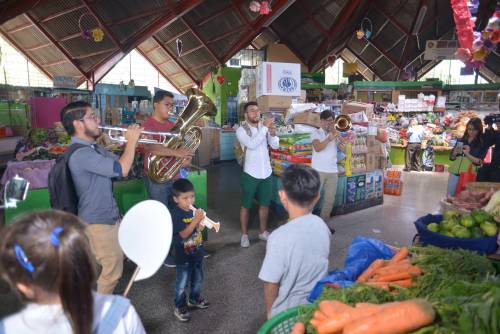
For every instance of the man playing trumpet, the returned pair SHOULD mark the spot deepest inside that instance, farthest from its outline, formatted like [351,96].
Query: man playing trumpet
[324,160]
[255,137]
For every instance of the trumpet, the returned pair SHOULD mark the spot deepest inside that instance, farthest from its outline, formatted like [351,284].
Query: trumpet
[207,222]
[342,123]
[120,137]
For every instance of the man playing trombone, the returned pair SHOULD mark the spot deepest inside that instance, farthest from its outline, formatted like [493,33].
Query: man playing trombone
[163,103]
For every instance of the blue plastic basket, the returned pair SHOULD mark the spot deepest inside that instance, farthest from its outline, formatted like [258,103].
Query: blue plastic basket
[486,245]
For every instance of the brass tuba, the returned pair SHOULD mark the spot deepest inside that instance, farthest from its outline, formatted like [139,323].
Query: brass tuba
[343,123]
[162,169]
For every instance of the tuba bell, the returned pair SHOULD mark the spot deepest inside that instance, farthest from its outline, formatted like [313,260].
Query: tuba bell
[343,123]
[162,169]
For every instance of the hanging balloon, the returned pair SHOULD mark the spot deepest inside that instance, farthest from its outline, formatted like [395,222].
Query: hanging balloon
[479,54]
[331,60]
[254,6]
[97,34]
[360,34]
[86,34]
[264,8]
[463,55]
[180,45]
[477,44]
[220,79]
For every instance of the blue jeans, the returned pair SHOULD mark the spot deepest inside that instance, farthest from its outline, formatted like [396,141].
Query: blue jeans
[188,272]
[159,191]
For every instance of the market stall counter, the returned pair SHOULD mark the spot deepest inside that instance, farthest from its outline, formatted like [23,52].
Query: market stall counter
[127,193]
[441,154]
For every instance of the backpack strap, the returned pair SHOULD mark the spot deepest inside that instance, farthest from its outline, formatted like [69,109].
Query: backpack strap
[247,129]
[113,316]
[72,148]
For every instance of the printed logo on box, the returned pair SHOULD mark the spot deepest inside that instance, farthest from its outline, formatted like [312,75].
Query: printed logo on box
[287,84]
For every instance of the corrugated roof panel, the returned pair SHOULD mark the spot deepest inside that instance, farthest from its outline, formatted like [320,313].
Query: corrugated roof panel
[222,46]
[79,46]
[189,42]
[196,58]
[124,31]
[87,63]
[66,25]
[115,10]
[158,57]
[208,8]
[171,67]
[170,31]
[48,8]
[147,44]
[30,37]
[65,69]
[19,21]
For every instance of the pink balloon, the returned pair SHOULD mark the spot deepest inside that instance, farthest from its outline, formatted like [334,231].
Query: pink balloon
[463,54]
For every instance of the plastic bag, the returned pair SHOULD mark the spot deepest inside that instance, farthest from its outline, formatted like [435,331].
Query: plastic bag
[362,252]
[465,178]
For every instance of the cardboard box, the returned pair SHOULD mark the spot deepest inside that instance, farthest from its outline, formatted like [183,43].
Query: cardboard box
[267,103]
[355,107]
[280,79]
[307,117]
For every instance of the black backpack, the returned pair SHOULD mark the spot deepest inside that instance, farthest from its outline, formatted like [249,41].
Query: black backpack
[62,191]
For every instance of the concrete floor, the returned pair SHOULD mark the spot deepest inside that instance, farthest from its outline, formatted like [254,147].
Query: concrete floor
[231,283]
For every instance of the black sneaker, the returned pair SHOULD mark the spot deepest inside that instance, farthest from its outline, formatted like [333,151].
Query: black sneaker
[182,314]
[201,304]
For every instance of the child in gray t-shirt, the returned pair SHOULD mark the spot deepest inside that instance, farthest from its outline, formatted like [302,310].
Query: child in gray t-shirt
[297,252]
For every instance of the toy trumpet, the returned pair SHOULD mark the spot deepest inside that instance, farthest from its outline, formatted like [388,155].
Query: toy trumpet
[209,223]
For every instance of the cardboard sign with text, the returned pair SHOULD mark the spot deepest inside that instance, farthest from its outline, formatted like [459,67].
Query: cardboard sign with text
[279,79]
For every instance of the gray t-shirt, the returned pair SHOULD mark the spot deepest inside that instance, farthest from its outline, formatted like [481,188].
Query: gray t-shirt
[92,168]
[296,258]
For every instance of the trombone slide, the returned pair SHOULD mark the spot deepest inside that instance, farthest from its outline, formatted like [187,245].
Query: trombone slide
[209,223]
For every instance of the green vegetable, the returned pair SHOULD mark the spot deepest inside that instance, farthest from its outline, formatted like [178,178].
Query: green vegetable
[461,232]
[476,232]
[489,229]
[480,216]
[467,221]
[449,215]
[434,227]
[448,225]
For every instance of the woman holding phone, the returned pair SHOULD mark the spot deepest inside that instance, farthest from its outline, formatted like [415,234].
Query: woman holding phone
[469,150]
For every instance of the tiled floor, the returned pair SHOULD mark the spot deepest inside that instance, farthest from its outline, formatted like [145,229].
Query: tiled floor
[231,283]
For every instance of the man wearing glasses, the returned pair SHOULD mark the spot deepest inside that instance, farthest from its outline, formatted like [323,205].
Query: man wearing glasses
[92,168]
[161,121]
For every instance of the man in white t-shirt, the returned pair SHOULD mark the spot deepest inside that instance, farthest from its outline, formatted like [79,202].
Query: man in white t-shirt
[324,160]
[255,137]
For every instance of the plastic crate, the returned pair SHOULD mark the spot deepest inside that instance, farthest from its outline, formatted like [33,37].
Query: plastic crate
[281,323]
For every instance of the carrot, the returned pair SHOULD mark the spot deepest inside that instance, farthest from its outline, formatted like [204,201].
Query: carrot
[337,323]
[394,277]
[298,328]
[394,318]
[370,270]
[332,308]
[315,323]
[367,306]
[396,269]
[381,285]
[401,254]
[320,316]
[403,283]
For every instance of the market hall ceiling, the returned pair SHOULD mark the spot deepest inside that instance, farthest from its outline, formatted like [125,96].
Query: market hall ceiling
[48,32]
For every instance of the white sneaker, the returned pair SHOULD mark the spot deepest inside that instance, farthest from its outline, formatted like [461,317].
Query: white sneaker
[264,235]
[245,243]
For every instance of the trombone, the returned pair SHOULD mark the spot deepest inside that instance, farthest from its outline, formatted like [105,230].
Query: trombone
[120,137]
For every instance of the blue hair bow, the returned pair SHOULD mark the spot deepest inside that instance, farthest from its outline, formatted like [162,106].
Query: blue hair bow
[54,236]
[23,259]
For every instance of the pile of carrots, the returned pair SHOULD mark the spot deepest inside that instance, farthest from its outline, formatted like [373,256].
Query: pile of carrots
[334,317]
[396,271]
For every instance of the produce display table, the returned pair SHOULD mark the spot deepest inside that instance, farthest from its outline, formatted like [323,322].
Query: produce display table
[441,154]
[127,194]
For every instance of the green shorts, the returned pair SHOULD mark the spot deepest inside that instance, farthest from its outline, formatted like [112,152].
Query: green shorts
[251,186]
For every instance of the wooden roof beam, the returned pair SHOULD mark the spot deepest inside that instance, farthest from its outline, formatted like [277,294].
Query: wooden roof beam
[107,32]
[231,32]
[311,18]
[14,8]
[100,69]
[159,70]
[171,55]
[24,53]
[61,13]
